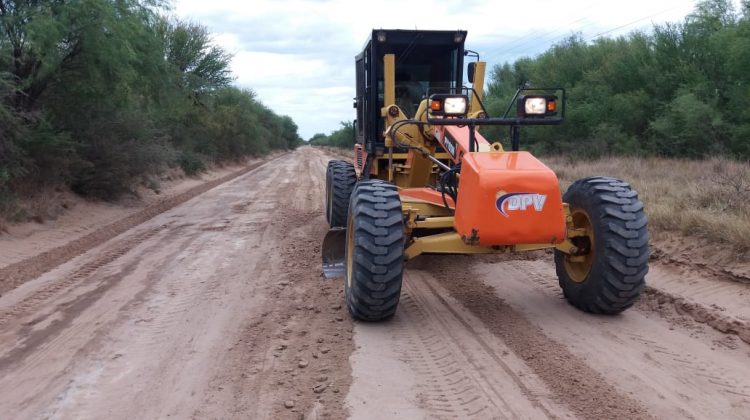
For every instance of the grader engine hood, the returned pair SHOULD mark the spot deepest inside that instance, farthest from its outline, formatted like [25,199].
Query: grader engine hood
[508,198]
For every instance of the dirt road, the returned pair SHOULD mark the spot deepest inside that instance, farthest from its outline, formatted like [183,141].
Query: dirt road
[216,308]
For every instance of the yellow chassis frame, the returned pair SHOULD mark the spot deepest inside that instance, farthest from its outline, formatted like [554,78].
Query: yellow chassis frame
[422,215]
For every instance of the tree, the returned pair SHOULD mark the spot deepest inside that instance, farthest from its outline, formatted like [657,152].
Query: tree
[680,90]
[101,95]
[201,66]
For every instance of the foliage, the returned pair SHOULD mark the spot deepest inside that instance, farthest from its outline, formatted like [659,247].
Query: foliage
[100,94]
[202,67]
[344,137]
[680,91]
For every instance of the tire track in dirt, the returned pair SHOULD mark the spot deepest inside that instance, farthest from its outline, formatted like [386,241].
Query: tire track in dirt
[47,329]
[573,383]
[189,298]
[57,334]
[214,310]
[467,373]
[661,291]
[690,253]
[18,273]
[654,299]
[676,367]
[109,255]
[299,346]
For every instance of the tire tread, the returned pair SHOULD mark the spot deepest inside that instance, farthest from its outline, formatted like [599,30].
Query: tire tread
[620,225]
[340,180]
[377,221]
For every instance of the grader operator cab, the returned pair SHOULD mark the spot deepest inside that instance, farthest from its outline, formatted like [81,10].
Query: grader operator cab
[425,180]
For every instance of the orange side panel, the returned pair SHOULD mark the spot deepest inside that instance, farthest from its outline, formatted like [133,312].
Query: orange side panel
[426,195]
[455,140]
[508,198]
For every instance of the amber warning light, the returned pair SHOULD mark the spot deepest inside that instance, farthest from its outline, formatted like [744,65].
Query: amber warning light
[448,105]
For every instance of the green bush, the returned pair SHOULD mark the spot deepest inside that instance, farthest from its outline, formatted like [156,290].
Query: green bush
[192,163]
[100,95]
[112,169]
[344,137]
[688,127]
[680,91]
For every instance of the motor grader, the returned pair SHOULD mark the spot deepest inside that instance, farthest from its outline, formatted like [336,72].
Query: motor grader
[425,181]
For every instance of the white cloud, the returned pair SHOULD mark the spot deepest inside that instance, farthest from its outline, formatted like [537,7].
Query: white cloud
[298,56]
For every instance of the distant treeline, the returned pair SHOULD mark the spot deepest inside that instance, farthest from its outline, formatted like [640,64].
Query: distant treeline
[343,137]
[100,95]
[680,90]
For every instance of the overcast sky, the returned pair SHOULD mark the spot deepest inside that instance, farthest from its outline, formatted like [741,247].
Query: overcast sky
[298,55]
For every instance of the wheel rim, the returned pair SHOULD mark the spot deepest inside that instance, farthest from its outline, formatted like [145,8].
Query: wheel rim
[579,266]
[349,252]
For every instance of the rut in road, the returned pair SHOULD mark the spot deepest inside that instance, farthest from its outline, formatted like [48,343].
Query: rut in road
[467,371]
[673,367]
[217,309]
[206,310]
[482,365]
[20,272]
[493,337]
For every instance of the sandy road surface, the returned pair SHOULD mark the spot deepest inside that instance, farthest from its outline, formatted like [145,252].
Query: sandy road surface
[206,310]
[216,309]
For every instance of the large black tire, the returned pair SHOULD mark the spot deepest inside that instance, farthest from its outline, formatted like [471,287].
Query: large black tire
[374,251]
[340,180]
[617,260]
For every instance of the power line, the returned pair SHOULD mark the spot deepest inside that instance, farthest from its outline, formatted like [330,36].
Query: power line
[543,40]
[547,40]
[631,23]
[491,52]
[534,33]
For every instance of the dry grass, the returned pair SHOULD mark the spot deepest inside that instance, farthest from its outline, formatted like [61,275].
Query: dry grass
[708,199]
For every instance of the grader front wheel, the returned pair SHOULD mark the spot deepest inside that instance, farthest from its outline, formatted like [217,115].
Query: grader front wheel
[374,251]
[608,272]
[340,180]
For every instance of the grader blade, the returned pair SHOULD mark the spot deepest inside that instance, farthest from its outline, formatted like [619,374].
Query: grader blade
[334,249]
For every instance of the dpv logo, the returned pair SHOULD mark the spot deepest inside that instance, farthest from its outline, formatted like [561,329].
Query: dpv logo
[519,201]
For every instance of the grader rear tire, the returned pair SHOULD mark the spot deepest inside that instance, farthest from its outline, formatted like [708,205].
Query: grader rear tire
[374,251]
[340,180]
[610,276]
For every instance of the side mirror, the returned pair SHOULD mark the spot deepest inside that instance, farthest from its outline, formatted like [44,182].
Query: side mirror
[470,75]
[354,104]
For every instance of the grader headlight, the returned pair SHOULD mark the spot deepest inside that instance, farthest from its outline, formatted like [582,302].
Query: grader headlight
[537,106]
[448,105]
